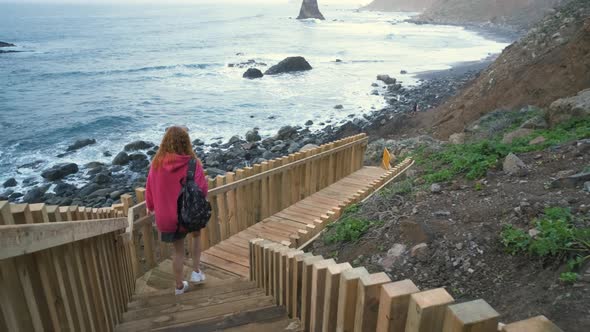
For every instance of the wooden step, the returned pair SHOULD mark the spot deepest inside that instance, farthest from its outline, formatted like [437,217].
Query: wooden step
[208,318]
[285,324]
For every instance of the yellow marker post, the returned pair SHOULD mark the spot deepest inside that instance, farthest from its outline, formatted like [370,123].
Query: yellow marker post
[387,159]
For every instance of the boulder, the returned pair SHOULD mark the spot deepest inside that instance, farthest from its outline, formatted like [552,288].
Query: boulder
[121,159]
[81,143]
[307,147]
[571,181]
[59,171]
[338,107]
[10,183]
[253,73]
[566,109]
[309,123]
[288,65]
[138,145]
[537,122]
[514,166]
[420,251]
[386,79]
[139,165]
[64,189]
[457,138]
[253,136]
[286,132]
[35,195]
[518,133]
[102,178]
[310,9]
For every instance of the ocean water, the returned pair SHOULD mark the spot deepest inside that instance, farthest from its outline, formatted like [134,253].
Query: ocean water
[122,73]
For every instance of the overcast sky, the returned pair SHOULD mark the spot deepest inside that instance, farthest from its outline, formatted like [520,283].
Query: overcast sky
[354,2]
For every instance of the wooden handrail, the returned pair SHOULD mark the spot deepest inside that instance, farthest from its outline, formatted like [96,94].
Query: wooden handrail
[251,179]
[17,240]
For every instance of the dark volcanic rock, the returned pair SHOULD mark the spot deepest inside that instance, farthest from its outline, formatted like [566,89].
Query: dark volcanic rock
[139,165]
[386,79]
[64,189]
[286,132]
[60,171]
[35,195]
[121,159]
[81,143]
[252,73]
[138,145]
[310,9]
[288,65]
[253,136]
[4,44]
[10,183]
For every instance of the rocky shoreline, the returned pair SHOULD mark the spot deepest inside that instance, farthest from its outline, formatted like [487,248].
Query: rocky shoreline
[105,183]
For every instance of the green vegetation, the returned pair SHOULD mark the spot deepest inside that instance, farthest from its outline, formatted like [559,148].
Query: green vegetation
[350,228]
[473,160]
[397,188]
[557,237]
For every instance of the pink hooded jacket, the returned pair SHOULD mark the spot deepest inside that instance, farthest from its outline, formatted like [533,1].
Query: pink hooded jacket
[163,187]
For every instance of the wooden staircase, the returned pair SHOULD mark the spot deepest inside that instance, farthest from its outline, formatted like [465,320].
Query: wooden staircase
[224,302]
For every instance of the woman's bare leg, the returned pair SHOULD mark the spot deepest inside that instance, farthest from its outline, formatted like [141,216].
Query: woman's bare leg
[178,262]
[196,251]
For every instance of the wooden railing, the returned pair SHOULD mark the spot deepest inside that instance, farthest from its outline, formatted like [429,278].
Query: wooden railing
[327,296]
[241,199]
[62,275]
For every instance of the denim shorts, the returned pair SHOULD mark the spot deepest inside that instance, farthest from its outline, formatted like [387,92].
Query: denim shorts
[172,236]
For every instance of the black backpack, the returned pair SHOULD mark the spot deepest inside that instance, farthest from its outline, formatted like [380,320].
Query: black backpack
[194,211]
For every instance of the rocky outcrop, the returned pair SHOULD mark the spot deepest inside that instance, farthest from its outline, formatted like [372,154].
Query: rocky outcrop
[4,44]
[81,143]
[138,145]
[398,5]
[566,109]
[253,73]
[288,65]
[310,9]
[551,62]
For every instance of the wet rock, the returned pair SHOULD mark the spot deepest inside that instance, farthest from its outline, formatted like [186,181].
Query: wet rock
[308,147]
[518,133]
[34,165]
[139,165]
[138,145]
[115,195]
[14,196]
[10,183]
[566,109]
[253,73]
[286,132]
[572,181]
[514,166]
[64,189]
[309,123]
[198,142]
[60,171]
[386,79]
[338,107]
[121,159]
[253,136]
[107,154]
[137,156]
[35,195]
[4,44]
[403,72]
[102,178]
[81,143]
[289,65]
[310,9]
[537,140]
[233,140]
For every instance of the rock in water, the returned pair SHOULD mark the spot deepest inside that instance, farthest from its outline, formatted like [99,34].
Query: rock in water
[138,145]
[290,64]
[81,143]
[310,9]
[10,183]
[59,171]
[3,44]
[252,73]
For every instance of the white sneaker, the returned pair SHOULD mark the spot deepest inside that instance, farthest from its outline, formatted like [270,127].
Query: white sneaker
[181,291]
[197,276]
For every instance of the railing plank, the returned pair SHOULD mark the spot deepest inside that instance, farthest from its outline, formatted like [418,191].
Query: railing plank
[472,316]
[367,305]
[347,298]
[427,309]
[16,240]
[332,285]
[393,305]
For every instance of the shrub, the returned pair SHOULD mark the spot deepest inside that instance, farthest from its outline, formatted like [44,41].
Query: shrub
[349,228]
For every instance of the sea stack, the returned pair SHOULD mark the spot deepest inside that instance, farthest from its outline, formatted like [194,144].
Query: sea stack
[309,9]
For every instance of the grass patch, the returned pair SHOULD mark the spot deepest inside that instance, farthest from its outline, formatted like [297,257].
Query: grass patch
[558,237]
[473,160]
[397,188]
[349,228]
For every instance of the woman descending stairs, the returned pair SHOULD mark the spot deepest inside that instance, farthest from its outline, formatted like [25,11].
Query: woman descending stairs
[225,302]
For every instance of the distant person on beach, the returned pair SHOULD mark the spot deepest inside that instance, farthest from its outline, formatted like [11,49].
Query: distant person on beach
[163,186]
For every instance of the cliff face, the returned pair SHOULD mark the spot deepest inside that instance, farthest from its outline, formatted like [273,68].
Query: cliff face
[518,13]
[310,9]
[552,61]
[399,5]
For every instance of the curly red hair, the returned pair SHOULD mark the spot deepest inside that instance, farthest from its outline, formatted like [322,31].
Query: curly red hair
[176,141]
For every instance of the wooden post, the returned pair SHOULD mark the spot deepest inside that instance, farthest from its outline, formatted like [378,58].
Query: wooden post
[21,213]
[330,314]
[393,305]
[222,210]
[347,294]
[53,213]
[367,302]
[213,225]
[473,316]
[140,195]
[534,324]
[318,293]
[240,204]
[231,206]
[5,214]
[296,285]
[264,199]
[426,311]
[127,202]
[253,245]
[39,213]
[306,287]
